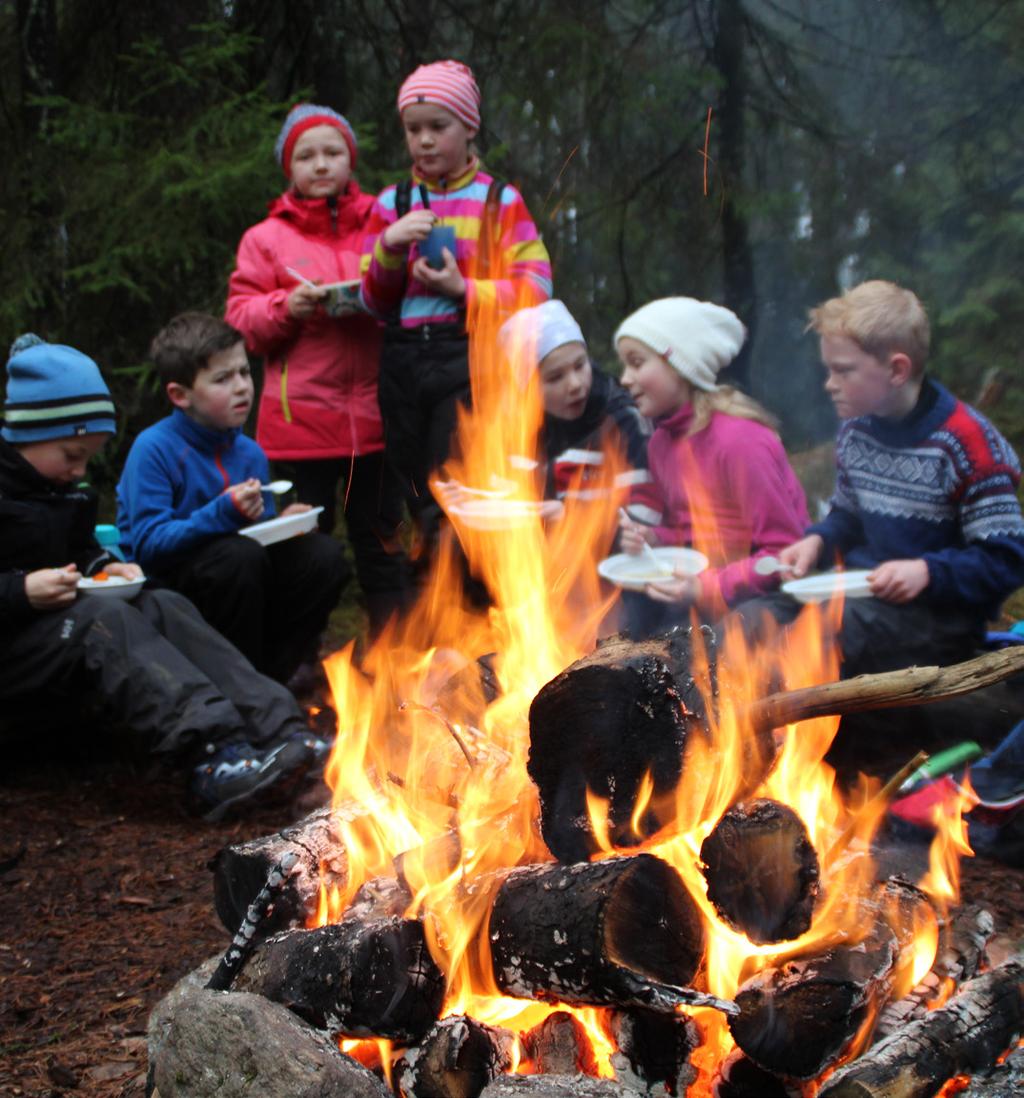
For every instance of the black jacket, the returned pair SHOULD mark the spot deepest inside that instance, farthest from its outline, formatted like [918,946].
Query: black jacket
[42,525]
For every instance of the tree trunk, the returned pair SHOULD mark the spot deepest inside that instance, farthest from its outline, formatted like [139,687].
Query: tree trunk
[737,256]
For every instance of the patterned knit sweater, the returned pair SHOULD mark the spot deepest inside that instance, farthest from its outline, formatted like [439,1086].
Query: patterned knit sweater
[938,485]
[520,256]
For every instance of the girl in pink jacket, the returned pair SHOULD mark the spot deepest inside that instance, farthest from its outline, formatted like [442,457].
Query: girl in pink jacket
[726,485]
[318,411]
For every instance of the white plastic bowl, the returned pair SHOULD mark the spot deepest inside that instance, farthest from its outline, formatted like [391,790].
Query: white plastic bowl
[821,588]
[282,528]
[496,514]
[113,587]
[633,572]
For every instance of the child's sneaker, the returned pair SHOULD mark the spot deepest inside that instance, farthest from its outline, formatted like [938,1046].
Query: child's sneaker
[239,771]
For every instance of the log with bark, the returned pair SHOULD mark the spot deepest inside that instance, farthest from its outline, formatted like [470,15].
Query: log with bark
[960,955]
[241,869]
[968,1034]
[606,721]
[799,1017]
[803,1014]
[360,978]
[456,1059]
[762,871]
[559,1045]
[595,933]
[738,1076]
[632,707]
[652,1051]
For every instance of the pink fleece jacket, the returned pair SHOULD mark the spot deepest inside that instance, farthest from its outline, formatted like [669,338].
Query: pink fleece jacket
[319,396]
[729,491]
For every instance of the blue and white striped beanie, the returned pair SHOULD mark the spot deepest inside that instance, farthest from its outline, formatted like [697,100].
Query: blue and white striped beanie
[53,391]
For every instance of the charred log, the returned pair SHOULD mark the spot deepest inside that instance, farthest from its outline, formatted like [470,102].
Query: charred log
[739,1077]
[762,871]
[456,1059]
[432,861]
[241,870]
[653,1050]
[625,710]
[800,1017]
[559,1046]
[554,1086]
[968,1034]
[357,978]
[593,933]
[960,955]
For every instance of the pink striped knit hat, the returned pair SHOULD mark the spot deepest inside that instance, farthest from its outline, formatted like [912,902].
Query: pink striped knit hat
[449,84]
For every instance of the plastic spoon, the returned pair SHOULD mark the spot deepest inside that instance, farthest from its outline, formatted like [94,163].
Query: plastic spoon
[278,487]
[766,566]
[659,566]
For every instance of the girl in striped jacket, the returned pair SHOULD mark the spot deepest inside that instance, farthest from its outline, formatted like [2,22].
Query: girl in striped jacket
[449,240]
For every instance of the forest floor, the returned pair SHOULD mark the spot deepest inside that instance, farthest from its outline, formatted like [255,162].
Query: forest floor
[106,900]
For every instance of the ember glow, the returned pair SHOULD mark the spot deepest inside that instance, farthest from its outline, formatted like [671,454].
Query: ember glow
[428,771]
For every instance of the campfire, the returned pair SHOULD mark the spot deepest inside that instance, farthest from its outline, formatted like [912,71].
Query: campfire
[627,861]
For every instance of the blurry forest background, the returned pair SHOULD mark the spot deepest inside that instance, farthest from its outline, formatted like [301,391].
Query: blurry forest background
[847,139]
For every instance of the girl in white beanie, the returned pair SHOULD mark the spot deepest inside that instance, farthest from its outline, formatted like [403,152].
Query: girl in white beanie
[725,483]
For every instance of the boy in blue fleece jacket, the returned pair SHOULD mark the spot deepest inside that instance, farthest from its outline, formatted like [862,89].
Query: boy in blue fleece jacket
[925,493]
[192,481]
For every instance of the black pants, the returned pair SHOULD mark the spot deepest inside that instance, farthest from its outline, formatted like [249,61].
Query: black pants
[877,636]
[272,602]
[424,378]
[154,665]
[373,511]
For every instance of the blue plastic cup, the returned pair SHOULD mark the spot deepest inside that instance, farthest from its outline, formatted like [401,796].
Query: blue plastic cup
[441,236]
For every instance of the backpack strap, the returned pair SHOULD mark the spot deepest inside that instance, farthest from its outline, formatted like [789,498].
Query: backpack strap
[490,229]
[403,196]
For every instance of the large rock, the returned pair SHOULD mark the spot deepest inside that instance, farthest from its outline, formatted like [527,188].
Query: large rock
[227,1044]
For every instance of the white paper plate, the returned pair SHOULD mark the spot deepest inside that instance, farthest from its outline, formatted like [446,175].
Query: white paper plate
[852,585]
[113,587]
[496,514]
[343,298]
[634,572]
[279,529]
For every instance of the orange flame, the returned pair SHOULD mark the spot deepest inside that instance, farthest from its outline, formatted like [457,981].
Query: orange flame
[428,771]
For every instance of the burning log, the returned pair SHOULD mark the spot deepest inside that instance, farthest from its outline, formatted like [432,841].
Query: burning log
[241,870]
[244,941]
[360,978]
[798,1018]
[554,1086]
[559,1046]
[762,871]
[609,719]
[960,955]
[596,933]
[653,1050]
[739,1077]
[966,1035]
[456,1059]
[631,707]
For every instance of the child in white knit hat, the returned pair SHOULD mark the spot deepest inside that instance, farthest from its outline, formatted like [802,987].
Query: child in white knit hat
[725,483]
[586,411]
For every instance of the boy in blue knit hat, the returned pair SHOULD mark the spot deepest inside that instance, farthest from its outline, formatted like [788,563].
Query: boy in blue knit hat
[154,663]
